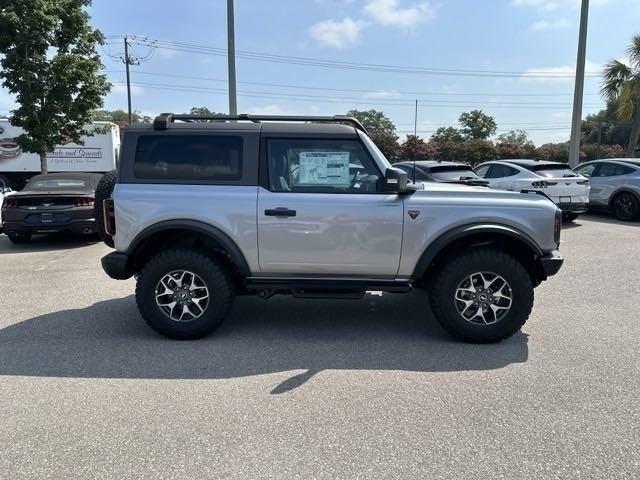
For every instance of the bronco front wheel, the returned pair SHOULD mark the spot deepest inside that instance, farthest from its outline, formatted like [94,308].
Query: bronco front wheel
[184,294]
[483,295]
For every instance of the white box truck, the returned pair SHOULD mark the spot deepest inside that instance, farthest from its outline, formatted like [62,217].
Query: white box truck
[99,154]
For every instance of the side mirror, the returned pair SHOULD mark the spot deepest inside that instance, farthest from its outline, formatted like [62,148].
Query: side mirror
[395,181]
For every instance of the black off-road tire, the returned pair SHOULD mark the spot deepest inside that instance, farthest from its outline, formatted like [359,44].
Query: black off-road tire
[625,206]
[570,217]
[481,259]
[214,274]
[19,238]
[104,190]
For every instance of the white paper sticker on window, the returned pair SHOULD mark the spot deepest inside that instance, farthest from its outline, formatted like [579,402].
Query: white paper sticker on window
[324,168]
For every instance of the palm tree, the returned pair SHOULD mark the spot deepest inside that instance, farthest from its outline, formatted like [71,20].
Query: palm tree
[621,85]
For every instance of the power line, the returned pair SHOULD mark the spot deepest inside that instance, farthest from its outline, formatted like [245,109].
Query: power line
[375,67]
[354,90]
[361,101]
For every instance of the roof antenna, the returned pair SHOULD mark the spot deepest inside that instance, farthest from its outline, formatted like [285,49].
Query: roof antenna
[415,138]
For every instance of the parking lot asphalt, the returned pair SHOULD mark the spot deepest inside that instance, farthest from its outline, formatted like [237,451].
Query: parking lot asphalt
[319,388]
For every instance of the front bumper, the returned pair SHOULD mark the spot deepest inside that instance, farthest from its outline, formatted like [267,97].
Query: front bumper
[116,265]
[551,262]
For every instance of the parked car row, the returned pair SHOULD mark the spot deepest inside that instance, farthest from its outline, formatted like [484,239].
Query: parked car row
[612,184]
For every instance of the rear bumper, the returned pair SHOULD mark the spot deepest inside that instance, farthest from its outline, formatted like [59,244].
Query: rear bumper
[551,262]
[573,207]
[84,226]
[116,265]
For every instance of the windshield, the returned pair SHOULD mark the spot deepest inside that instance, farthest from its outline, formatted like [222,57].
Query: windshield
[375,151]
[51,183]
[454,173]
[552,170]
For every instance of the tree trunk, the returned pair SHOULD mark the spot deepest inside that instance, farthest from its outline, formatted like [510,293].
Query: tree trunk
[634,137]
[43,163]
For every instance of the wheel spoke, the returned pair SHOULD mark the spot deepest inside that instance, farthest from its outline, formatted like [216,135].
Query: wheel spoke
[483,298]
[182,295]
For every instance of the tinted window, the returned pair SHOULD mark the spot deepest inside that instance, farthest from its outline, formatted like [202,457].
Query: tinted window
[552,170]
[321,166]
[613,170]
[482,171]
[453,173]
[586,170]
[188,157]
[421,176]
[501,171]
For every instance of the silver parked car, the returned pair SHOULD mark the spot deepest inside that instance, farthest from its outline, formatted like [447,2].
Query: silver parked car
[615,185]
[202,212]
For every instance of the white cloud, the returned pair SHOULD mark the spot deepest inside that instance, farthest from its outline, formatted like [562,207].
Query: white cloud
[122,89]
[541,25]
[382,94]
[552,5]
[337,33]
[276,109]
[564,73]
[389,13]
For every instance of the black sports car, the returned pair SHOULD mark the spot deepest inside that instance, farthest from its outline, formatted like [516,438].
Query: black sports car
[50,203]
[441,171]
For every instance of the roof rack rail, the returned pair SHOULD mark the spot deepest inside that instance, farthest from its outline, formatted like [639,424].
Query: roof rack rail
[162,121]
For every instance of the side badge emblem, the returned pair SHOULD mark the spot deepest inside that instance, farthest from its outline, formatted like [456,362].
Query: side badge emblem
[413,214]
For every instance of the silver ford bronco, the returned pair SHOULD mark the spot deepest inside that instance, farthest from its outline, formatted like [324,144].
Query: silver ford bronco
[204,209]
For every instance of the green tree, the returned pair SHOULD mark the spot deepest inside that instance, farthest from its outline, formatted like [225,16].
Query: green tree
[51,64]
[477,125]
[605,128]
[621,84]
[119,116]
[557,152]
[446,135]
[373,120]
[387,142]
[519,138]
[474,151]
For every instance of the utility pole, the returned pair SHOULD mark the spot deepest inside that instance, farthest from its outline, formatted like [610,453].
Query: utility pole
[231,59]
[127,62]
[415,121]
[576,122]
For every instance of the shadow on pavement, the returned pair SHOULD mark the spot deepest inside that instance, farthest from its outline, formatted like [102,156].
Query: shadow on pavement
[110,340]
[604,217]
[47,243]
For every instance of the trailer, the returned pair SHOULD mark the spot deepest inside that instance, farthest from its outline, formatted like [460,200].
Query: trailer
[98,153]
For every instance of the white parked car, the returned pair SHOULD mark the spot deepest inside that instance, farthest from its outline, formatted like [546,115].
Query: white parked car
[568,189]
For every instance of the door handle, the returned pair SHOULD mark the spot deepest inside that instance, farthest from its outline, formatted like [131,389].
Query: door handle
[280,212]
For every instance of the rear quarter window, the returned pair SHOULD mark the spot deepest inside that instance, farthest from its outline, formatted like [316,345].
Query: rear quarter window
[188,157]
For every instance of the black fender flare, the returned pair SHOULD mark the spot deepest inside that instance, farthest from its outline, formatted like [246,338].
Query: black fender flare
[622,190]
[444,240]
[200,227]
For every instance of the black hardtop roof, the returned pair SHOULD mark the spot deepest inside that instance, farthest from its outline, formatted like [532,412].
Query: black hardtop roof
[338,124]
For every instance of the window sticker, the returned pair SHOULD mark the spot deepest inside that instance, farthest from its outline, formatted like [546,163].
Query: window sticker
[324,168]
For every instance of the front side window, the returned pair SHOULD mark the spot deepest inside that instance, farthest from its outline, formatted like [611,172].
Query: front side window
[586,170]
[482,171]
[320,166]
[188,157]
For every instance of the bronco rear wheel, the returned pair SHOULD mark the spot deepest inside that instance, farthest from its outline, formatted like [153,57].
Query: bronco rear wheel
[483,295]
[184,294]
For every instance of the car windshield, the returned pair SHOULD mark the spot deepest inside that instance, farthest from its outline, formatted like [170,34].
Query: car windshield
[552,170]
[375,151]
[454,173]
[54,183]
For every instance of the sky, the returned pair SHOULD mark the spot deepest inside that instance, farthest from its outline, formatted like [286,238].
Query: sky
[514,59]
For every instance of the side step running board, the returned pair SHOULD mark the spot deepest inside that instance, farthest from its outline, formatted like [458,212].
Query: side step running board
[312,288]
